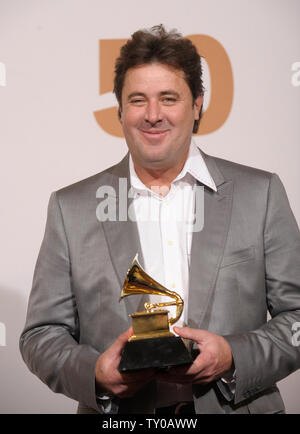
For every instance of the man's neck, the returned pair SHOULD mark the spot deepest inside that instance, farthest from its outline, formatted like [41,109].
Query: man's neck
[159,177]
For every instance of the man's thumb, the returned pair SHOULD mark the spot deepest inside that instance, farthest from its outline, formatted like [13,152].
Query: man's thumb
[121,340]
[192,334]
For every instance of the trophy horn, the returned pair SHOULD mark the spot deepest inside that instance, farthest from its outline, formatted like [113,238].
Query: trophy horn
[137,281]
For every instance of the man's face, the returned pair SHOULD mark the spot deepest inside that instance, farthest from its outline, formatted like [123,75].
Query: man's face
[158,115]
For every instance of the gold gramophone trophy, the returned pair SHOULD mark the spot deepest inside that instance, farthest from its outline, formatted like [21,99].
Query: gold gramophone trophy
[152,344]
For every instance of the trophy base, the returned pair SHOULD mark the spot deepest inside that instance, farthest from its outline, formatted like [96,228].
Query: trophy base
[154,353]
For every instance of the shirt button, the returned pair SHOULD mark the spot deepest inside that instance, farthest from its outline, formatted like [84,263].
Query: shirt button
[170,243]
[173,285]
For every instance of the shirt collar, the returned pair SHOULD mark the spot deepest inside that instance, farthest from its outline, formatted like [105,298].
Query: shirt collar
[194,165]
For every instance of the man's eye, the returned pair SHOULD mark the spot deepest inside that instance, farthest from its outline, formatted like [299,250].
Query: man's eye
[169,100]
[137,101]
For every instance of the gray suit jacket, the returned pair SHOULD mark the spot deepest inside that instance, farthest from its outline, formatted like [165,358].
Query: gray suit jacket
[244,263]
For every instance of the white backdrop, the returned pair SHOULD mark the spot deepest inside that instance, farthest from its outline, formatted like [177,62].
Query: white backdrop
[49,89]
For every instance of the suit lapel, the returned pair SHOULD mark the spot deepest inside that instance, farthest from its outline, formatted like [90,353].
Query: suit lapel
[122,236]
[208,245]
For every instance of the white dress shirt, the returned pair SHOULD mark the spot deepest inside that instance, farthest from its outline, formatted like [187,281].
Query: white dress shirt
[165,230]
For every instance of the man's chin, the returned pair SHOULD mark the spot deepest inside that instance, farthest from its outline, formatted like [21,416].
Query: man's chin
[155,162]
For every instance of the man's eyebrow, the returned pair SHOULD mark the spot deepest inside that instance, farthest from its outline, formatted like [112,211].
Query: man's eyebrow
[133,94]
[163,93]
[170,92]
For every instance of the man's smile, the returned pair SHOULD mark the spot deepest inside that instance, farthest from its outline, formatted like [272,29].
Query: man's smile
[154,134]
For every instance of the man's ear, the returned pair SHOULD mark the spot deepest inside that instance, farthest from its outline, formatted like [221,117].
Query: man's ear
[197,107]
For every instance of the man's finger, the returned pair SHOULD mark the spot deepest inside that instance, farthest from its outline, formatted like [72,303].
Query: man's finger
[121,340]
[192,334]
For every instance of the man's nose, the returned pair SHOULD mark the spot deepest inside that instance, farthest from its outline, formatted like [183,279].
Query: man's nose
[153,112]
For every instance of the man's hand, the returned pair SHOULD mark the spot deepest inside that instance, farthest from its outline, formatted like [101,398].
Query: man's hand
[109,379]
[213,362]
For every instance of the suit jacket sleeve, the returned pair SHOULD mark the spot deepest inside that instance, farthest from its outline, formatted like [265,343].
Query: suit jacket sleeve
[49,343]
[266,355]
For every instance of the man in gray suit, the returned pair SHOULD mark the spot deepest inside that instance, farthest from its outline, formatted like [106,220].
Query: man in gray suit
[244,262]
